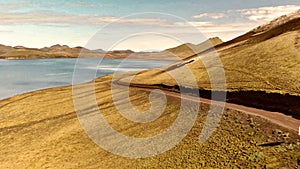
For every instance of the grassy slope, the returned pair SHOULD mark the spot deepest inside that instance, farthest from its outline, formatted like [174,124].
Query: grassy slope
[269,67]
[41,130]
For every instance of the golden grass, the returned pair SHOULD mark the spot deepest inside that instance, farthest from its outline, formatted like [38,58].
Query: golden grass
[40,130]
[271,66]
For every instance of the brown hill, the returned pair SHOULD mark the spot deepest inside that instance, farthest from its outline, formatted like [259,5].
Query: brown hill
[55,51]
[64,51]
[189,49]
[5,49]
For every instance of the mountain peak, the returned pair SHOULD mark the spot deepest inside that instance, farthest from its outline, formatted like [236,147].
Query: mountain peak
[278,21]
[20,47]
[59,46]
[215,41]
[276,27]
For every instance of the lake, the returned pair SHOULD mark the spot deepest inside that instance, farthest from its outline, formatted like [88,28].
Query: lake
[20,76]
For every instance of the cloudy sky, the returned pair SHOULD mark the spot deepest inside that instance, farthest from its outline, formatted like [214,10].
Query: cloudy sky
[132,24]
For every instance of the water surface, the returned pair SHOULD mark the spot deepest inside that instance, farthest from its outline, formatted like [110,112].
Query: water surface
[20,76]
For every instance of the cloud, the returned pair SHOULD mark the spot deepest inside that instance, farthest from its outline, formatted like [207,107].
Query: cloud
[12,6]
[6,31]
[262,14]
[233,23]
[211,15]
[266,13]
[225,24]
[85,4]
[220,27]
[56,25]
[44,17]
[225,31]
[146,42]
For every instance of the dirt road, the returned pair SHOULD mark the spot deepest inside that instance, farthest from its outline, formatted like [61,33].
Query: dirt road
[275,117]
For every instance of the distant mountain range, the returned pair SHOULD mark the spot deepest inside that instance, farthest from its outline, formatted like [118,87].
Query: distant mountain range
[64,51]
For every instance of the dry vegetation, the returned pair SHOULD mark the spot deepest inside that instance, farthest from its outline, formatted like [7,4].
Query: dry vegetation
[272,66]
[264,68]
[41,130]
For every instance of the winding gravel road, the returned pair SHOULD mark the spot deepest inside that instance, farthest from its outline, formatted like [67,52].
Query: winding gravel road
[281,119]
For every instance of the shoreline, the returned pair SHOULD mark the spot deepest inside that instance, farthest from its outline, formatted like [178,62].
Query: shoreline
[174,93]
[138,58]
[32,91]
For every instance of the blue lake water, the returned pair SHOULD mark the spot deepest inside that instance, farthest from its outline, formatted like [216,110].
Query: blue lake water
[20,76]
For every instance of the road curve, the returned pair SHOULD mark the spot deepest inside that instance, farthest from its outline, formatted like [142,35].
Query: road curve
[275,117]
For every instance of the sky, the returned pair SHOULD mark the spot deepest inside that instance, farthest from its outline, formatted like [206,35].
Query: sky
[139,25]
